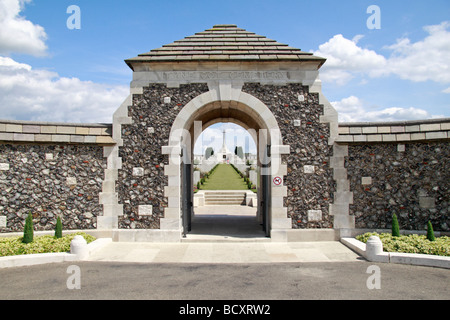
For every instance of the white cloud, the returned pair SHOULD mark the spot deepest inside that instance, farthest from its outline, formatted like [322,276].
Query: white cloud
[446,90]
[18,35]
[41,95]
[353,109]
[424,60]
[345,58]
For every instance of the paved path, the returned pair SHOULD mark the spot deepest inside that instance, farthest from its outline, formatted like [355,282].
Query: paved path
[226,223]
[225,252]
[225,234]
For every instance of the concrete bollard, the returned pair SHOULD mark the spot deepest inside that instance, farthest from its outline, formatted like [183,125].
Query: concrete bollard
[374,247]
[79,247]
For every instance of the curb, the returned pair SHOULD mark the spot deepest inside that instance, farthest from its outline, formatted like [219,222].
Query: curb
[44,258]
[397,257]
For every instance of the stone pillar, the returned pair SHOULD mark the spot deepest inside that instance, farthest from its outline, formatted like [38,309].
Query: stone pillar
[343,197]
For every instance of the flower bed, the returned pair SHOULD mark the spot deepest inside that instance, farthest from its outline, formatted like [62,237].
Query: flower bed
[411,243]
[42,244]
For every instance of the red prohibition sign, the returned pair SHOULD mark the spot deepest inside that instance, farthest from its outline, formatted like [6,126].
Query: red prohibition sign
[277,181]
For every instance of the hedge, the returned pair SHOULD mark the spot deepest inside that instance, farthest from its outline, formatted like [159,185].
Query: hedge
[413,243]
[12,246]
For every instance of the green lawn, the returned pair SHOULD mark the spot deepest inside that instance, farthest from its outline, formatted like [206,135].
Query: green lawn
[224,178]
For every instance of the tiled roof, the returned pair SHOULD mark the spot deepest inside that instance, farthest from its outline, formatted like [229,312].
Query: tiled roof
[225,43]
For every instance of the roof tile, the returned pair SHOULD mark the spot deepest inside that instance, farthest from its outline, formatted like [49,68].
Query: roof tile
[224,42]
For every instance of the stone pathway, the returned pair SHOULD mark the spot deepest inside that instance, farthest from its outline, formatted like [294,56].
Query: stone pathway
[225,234]
[225,252]
[225,223]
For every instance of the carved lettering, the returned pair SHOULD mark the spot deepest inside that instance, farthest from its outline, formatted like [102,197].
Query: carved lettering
[223,75]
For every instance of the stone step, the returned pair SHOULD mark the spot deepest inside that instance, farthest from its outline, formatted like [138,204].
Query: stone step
[223,203]
[230,202]
[224,197]
[192,238]
[225,194]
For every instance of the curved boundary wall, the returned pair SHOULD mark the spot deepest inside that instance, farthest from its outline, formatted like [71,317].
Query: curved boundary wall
[51,170]
[398,167]
[59,169]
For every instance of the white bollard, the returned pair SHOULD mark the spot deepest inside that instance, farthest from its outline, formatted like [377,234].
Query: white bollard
[79,247]
[374,247]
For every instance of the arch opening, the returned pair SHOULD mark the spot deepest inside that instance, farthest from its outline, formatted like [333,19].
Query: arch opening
[252,115]
[225,183]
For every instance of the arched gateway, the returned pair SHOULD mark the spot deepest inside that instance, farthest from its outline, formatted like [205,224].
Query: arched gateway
[225,74]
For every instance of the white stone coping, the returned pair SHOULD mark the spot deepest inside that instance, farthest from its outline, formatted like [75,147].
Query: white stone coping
[45,258]
[398,257]
[405,131]
[55,132]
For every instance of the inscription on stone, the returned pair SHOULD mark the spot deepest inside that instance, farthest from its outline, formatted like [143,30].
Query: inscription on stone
[224,75]
[145,210]
[138,172]
[314,215]
[309,169]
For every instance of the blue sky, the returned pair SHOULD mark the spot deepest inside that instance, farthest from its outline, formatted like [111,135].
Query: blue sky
[50,73]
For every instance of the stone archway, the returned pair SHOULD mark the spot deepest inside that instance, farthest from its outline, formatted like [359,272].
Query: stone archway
[277,92]
[225,102]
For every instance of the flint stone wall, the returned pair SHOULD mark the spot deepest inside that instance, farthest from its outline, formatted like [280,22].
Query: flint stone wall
[57,170]
[50,181]
[411,180]
[309,180]
[141,180]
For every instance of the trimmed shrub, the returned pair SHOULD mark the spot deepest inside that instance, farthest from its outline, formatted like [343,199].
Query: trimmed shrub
[58,229]
[395,226]
[28,232]
[430,232]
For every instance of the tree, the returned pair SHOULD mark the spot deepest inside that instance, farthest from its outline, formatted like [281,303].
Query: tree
[430,232]
[209,152]
[238,151]
[58,229]
[28,232]
[395,226]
